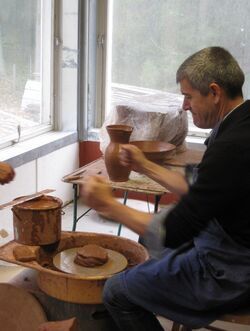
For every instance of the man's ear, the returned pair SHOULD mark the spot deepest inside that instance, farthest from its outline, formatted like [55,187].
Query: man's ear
[216,91]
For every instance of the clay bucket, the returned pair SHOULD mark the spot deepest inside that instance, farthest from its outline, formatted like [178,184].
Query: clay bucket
[38,221]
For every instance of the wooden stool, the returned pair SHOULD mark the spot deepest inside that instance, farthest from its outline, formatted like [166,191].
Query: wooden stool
[241,316]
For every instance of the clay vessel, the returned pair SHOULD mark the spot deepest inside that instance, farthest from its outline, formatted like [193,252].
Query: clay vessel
[38,221]
[119,134]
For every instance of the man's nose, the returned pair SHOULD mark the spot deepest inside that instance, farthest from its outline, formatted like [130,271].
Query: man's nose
[186,104]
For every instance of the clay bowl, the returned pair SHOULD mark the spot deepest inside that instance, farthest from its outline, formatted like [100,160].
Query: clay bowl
[155,151]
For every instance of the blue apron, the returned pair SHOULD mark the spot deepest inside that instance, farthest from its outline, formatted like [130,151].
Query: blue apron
[197,282]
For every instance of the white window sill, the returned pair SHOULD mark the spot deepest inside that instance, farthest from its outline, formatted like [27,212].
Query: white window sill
[196,143]
[29,150]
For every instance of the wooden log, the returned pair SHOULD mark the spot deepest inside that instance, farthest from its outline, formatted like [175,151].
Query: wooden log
[19,310]
[89,317]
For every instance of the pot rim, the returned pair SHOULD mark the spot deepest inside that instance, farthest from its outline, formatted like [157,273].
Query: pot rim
[118,127]
[21,207]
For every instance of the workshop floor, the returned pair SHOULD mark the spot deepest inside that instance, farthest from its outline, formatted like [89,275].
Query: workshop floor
[94,223]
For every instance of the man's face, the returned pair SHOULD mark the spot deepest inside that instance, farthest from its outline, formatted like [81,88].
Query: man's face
[202,107]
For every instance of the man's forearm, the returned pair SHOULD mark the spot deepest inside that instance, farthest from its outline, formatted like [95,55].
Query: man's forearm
[172,180]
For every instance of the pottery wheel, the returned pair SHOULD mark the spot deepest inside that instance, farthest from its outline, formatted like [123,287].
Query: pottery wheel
[64,261]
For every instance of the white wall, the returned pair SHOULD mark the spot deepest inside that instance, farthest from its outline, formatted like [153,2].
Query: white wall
[42,173]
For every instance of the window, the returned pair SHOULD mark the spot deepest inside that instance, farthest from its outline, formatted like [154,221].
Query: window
[25,68]
[148,40]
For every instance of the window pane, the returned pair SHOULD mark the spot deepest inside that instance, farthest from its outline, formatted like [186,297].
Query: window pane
[21,66]
[150,39]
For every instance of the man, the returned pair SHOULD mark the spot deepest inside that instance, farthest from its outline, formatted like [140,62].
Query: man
[6,173]
[204,271]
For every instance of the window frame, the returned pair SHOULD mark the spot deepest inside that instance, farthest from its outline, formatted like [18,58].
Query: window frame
[47,60]
[102,79]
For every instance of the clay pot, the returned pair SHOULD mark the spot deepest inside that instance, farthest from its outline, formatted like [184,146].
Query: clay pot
[155,151]
[119,134]
[38,221]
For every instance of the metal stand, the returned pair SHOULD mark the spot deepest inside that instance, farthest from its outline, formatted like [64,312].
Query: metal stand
[75,218]
[157,200]
[125,198]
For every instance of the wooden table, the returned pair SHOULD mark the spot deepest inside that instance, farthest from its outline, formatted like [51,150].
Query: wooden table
[136,182]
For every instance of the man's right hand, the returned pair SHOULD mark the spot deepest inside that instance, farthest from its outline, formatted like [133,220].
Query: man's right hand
[96,193]
[132,157]
[6,173]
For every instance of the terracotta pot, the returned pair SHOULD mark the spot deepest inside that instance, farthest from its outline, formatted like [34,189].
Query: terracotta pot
[119,134]
[38,221]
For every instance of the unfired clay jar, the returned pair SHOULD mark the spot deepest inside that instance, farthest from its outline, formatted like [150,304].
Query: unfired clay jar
[38,221]
[119,134]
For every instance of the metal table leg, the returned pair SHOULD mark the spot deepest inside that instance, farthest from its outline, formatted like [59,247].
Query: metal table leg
[157,200]
[125,198]
[75,218]
[74,207]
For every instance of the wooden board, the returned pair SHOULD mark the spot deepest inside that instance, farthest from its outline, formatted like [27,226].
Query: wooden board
[136,182]
[19,310]
[241,316]
[25,198]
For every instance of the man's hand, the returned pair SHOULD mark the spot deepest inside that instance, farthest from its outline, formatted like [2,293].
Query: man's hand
[96,193]
[132,157]
[6,173]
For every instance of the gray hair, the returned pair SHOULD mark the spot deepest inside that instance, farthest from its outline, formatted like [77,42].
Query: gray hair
[212,65]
